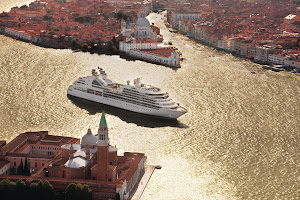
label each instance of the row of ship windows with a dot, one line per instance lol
(139, 98)
(124, 97)
(126, 92)
(117, 101)
(135, 93)
(118, 98)
(130, 101)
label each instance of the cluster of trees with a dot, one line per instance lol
(83, 19)
(22, 169)
(97, 45)
(123, 15)
(296, 1)
(10, 190)
(47, 17)
(60, 1)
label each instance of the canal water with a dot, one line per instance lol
(239, 139)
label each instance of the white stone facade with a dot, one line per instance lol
(5, 169)
(186, 15)
(133, 44)
(173, 60)
(18, 34)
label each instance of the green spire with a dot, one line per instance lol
(103, 121)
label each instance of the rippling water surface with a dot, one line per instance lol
(239, 140)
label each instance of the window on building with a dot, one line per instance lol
(35, 164)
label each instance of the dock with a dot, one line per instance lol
(149, 169)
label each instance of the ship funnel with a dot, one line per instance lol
(94, 72)
(138, 82)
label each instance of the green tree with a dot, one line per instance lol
(87, 192)
(26, 168)
(85, 46)
(78, 192)
(115, 42)
(41, 190)
(7, 189)
(48, 17)
(24, 7)
(83, 19)
(296, 1)
(110, 46)
(67, 28)
(71, 191)
(118, 196)
(125, 16)
(20, 170)
(21, 190)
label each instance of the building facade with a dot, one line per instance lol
(142, 44)
(64, 160)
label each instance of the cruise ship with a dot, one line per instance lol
(139, 98)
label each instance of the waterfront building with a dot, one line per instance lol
(240, 45)
(288, 59)
(260, 53)
(64, 160)
(18, 34)
(177, 15)
(4, 167)
(143, 44)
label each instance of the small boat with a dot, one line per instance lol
(158, 167)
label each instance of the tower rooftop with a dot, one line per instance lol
(103, 120)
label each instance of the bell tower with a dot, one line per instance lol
(102, 150)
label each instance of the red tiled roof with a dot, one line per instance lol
(163, 52)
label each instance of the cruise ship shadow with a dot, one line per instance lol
(127, 116)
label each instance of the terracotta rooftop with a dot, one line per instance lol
(162, 52)
(3, 163)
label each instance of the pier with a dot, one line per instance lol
(149, 169)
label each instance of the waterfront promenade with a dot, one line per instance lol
(149, 169)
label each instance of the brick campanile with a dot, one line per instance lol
(102, 150)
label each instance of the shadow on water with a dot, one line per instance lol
(130, 58)
(127, 116)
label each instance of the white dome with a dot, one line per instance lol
(89, 139)
(142, 22)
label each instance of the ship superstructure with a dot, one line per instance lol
(139, 97)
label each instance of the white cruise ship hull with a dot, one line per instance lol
(161, 112)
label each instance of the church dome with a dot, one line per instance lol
(142, 22)
(89, 139)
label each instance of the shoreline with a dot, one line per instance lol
(144, 180)
(65, 46)
(234, 54)
(91, 50)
